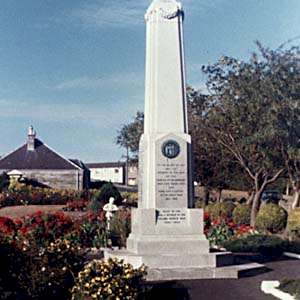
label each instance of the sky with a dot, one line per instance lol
(74, 69)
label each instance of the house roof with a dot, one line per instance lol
(42, 158)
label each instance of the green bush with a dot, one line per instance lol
(120, 227)
(293, 223)
(291, 286)
(264, 244)
(272, 218)
(241, 214)
(29, 271)
(223, 209)
(4, 182)
(219, 233)
(112, 279)
(109, 190)
(293, 247)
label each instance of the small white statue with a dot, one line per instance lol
(110, 208)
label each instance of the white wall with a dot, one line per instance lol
(113, 174)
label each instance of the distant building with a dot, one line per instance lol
(114, 172)
(37, 161)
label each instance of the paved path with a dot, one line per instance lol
(247, 288)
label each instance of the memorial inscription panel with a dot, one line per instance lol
(171, 180)
(171, 216)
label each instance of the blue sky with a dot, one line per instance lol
(74, 69)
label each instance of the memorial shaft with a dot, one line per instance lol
(165, 160)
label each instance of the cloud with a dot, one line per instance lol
(125, 13)
(103, 13)
(121, 79)
(96, 113)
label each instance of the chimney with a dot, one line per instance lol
(31, 139)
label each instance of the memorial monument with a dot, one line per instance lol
(167, 232)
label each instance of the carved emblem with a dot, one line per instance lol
(166, 12)
(170, 149)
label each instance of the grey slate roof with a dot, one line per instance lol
(42, 158)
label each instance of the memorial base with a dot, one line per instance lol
(174, 247)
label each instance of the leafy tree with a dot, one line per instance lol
(247, 115)
(129, 135)
(213, 168)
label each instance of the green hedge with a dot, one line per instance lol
(293, 223)
(242, 214)
(264, 244)
(272, 218)
(223, 209)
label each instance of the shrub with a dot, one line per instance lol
(241, 214)
(293, 246)
(47, 272)
(293, 223)
(272, 218)
(223, 209)
(112, 279)
(291, 286)
(77, 205)
(120, 227)
(109, 190)
(265, 244)
(45, 227)
(90, 231)
(131, 198)
(4, 182)
(219, 233)
(29, 271)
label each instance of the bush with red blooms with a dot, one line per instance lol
(45, 227)
(27, 195)
(76, 205)
(221, 229)
(90, 231)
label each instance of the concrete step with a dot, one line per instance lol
(232, 272)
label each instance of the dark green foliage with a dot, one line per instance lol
(129, 135)
(219, 233)
(291, 286)
(4, 182)
(33, 272)
(272, 218)
(293, 247)
(241, 214)
(223, 209)
(293, 224)
(264, 244)
(109, 190)
(120, 227)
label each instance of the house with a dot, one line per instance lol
(36, 161)
(110, 171)
(114, 172)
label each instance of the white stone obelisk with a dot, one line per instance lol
(166, 232)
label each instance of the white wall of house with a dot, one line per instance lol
(113, 174)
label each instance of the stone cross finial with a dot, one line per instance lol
(110, 208)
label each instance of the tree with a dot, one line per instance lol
(285, 64)
(129, 135)
(247, 113)
(213, 168)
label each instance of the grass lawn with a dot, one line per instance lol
(24, 210)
